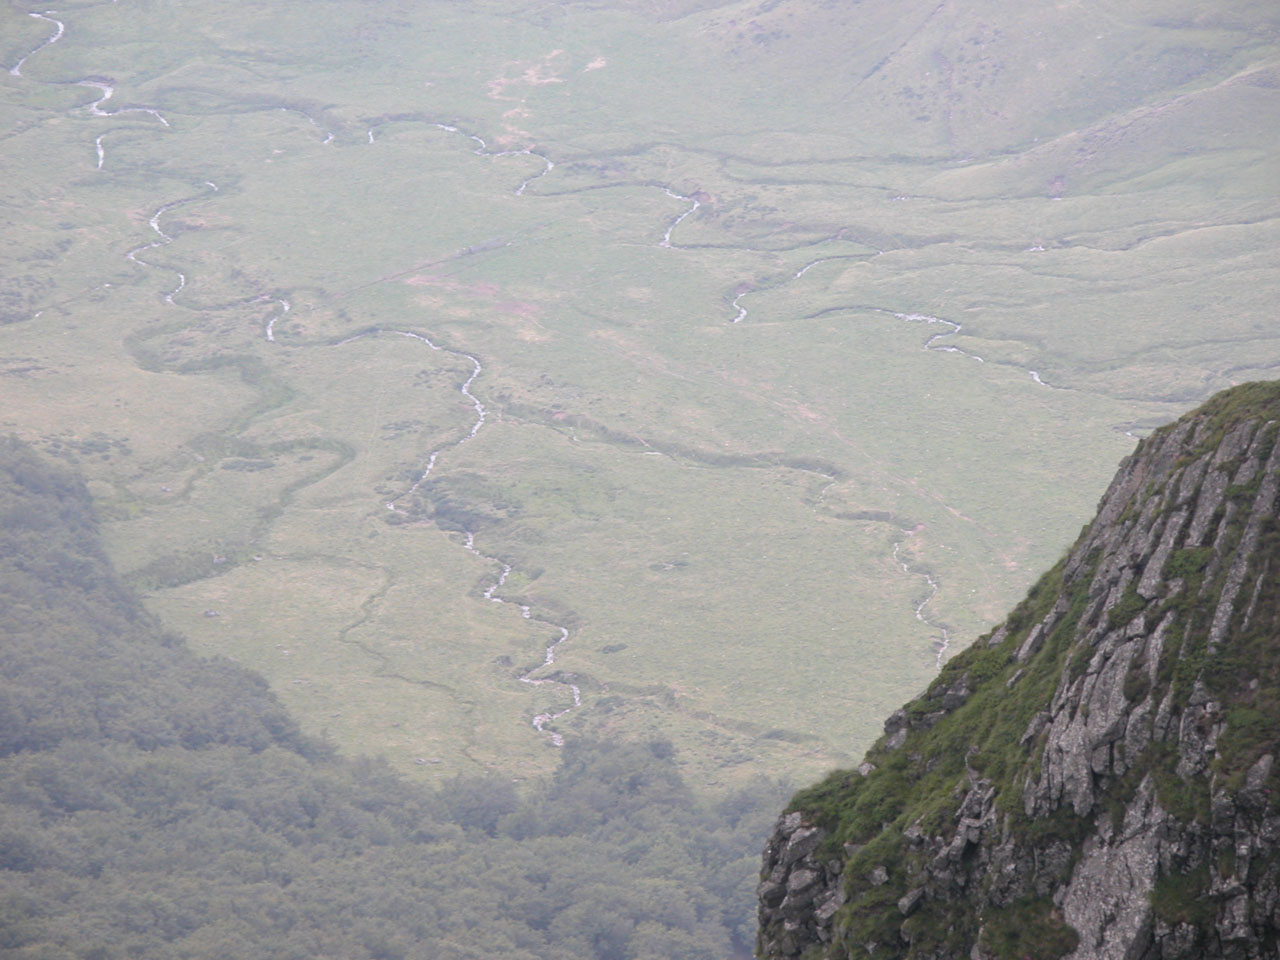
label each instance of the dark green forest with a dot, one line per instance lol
(157, 804)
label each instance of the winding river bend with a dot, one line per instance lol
(936, 341)
(529, 677)
(540, 721)
(108, 91)
(942, 642)
(134, 255)
(694, 204)
(59, 29)
(549, 654)
(482, 150)
(164, 239)
(284, 306)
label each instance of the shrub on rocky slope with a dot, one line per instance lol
(1096, 778)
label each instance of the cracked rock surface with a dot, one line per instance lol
(1096, 779)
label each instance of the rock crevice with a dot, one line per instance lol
(1096, 778)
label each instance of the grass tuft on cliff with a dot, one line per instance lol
(1214, 675)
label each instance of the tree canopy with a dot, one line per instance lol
(154, 804)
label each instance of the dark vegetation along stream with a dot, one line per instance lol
(530, 677)
(165, 239)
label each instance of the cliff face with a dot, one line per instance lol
(1097, 777)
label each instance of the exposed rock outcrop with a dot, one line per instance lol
(1096, 778)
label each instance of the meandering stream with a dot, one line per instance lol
(165, 239)
(942, 642)
(108, 91)
(59, 29)
(482, 150)
(694, 204)
(549, 654)
(134, 255)
(942, 340)
(540, 721)
(270, 329)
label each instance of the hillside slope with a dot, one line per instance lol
(155, 805)
(1095, 778)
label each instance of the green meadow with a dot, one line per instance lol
(807, 336)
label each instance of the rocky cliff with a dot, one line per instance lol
(1097, 777)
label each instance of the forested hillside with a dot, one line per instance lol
(155, 804)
